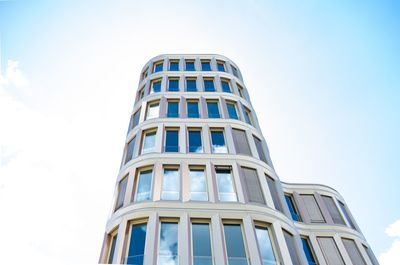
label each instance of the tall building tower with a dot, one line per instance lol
(197, 185)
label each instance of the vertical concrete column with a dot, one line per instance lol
(130, 187)
(182, 139)
(181, 63)
(280, 240)
(324, 209)
(183, 239)
(182, 108)
(234, 87)
(251, 240)
(146, 86)
(241, 111)
(205, 134)
(159, 138)
(185, 181)
(119, 249)
(158, 174)
(181, 83)
(252, 144)
(164, 83)
(138, 142)
(229, 140)
(217, 240)
(217, 83)
(150, 250)
(197, 64)
(203, 108)
(211, 182)
(317, 250)
(305, 217)
(236, 174)
(213, 64)
(200, 82)
(163, 107)
(224, 110)
(281, 197)
(165, 64)
(142, 115)
(342, 249)
(362, 252)
(104, 249)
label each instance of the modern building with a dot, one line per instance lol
(197, 186)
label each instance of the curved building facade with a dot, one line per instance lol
(197, 186)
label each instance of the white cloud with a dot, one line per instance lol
(13, 75)
(392, 255)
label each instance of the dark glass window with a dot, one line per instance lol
(346, 214)
(241, 92)
(225, 86)
(253, 186)
(308, 252)
(232, 111)
(218, 142)
(201, 241)
(265, 246)
(195, 145)
(247, 116)
(191, 85)
(205, 66)
(189, 66)
(129, 150)
(174, 65)
(158, 67)
(292, 208)
(156, 86)
(234, 71)
(173, 85)
(112, 249)
(212, 108)
(234, 244)
(172, 141)
(121, 193)
(193, 109)
(260, 149)
(209, 85)
(173, 109)
(291, 247)
(241, 144)
(168, 249)
(274, 193)
(221, 66)
(136, 245)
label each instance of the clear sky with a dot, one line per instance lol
(323, 77)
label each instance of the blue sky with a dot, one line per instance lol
(323, 77)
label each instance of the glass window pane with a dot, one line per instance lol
(149, 142)
(195, 145)
(221, 67)
(232, 111)
(265, 246)
(333, 210)
(247, 116)
(346, 214)
(253, 186)
(156, 86)
(173, 85)
(143, 192)
(168, 250)
(308, 252)
(174, 66)
(191, 85)
(173, 109)
(136, 245)
(158, 67)
(234, 244)
(218, 142)
(172, 141)
(121, 192)
(291, 247)
(189, 66)
(209, 85)
(112, 249)
(226, 190)
(274, 194)
(198, 186)
(241, 144)
(153, 111)
(260, 149)
(201, 244)
(213, 111)
(234, 71)
(129, 150)
(292, 208)
(205, 66)
(225, 86)
(171, 187)
(193, 109)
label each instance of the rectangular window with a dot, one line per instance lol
(153, 110)
(346, 214)
(168, 248)
(189, 65)
(195, 143)
(225, 86)
(247, 116)
(253, 186)
(260, 149)
(137, 244)
(330, 250)
(212, 109)
(241, 143)
(241, 91)
(312, 208)
(198, 185)
(191, 85)
(333, 210)
(209, 85)
(201, 244)
(289, 239)
(129, 150)
(121, 192)
(234, 243)
(234, 71)
(218, 142)
(174, 65)
(158, 67)
(155, 86)
(221, 66)
(136, 117)
(112, 249)
(145, 73)
(274, 193)
(205, 65)
(308, 251)
(172, 140)
(292, 207)
(353, 251)
(149, 142)
(173, 84)
(171, 186)
(141, 93)
(173, 109)
(193, 109)
(265, 246)
(232, 110)
(226, 189)
(144, 185)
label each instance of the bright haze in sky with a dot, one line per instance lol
(323, 78)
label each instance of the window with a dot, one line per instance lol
(158, 67)
(234, 243)
(274, 193)
(221, 66)
(189, 65)
(195, 145)
(121, 192)
(292, 207)
(291, 247)
(346, 214)
(308, 251)
(312, 208)
(209, 85)
(225, 86)
(173, 84)
(174, 65)
(226, 190)
(218, 142)
(371, 255)
(247, 116)
(137, 244)
(153, 110)
(353, 251)
(155, 86)
(191, 85)
(141, 93)
(149, 142)
(193, 109)
(234, 71)
(265, 246)
(129, 150)
(241, 91)
(232, 110)
(144, 185)
(198, 185)
(201, 244)
(241, 143)
(253, 186)
(171, 186)
(173, 109)
(172, 140)
(260, 149)
(333, 210)
(112, 248)
(330, 250)
(212, 109)
(168, 248)
(136, 117)
(205, 65)
(145, 73)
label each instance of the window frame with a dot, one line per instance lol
(172, 220)
(144, 134)
(151, 104)
(201, 221)
(191, 101)
(174, 79)
(228, 82)
(178, 171)
(294, 204)
(212, 130)
(137, 180)
(113, 234)
(221, 63)
(131, 223)
(225, 167)
(215, 115)
(208, 79)
(204, 62)
(172, 129)
(174, 101)
(244, 237)
(190, 61)
(152, 83)
(198, 168)
(272, 238)
(195, 129)
(156, 64)
(171, 62)
(195, 83)
(234, 105)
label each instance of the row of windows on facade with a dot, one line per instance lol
(194, 142)
(191, 84)
(190, 65)
(193, 108)
(227, 191)
(236, 249)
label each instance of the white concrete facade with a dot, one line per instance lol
(327, 217)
